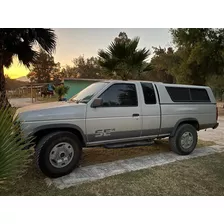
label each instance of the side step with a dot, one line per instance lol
(128, 144)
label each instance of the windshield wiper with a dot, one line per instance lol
(82, 101)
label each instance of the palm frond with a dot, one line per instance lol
(117, 50)
(132, 45)
(13, 159)
(147, 68)
(25, 53)
(20, 42)
(109, 64)
(46, 38)
(103, 55)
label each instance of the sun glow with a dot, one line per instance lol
(16, 70)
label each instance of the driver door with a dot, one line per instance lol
(118, 119)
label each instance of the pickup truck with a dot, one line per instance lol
(117, 114)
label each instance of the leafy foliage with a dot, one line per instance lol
(88, 68)
(61, 90)
(217, 84)
(68, 72)
(84, 68)
(123, 59)
(13, 159)
(20, 42)
(162, 63)
(44, 69)
(200, 53)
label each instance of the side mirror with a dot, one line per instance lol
(97, 102)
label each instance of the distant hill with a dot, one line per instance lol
(23, 79)
(12, 84)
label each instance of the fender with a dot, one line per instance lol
(184, 120)
(59, 126)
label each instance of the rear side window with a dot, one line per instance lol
(179, 94)
(199, 95)
(149, 93)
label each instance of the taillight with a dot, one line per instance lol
(217, 113)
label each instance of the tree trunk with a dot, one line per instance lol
(3, 98)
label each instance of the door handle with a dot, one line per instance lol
(135, 115)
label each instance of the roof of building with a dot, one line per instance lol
(78, 79)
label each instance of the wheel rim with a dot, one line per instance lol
(61, 155)
(186, 140)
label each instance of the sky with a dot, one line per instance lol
(72, 43)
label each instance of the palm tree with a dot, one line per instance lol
(123, 59)
(20, 43)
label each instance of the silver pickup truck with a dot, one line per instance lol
(117, 114)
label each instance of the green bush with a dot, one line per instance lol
(13, 159)
(61, 91)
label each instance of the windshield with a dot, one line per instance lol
(86, 94)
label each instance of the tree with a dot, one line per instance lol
(68, 72)
(20, 42)
(84, 68)
(201, 54)
(217, 84)
(88, 68)
(123, 58)
(44, 69)
(162, 63)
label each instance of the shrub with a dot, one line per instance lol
(13, 159)
(61, 91)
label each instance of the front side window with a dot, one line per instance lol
(120, 95)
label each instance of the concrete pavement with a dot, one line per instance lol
(215, 135)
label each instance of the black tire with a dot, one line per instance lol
(47, 143)
(175, 141)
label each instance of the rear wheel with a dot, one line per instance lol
(185, 140)
(58, 153)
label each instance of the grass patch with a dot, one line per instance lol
(199, 176)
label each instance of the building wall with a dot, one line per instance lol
(75, 86)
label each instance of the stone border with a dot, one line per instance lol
(99, 171)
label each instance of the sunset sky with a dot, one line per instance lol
(72, 43)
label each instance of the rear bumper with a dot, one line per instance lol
(216, 125)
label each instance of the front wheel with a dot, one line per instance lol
(58, 153)
(185, 140)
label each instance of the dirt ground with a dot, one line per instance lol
(221, 111)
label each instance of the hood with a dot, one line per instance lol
(52, 111)
(41, 106)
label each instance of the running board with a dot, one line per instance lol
(128, 144)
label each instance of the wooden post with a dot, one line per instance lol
(31, 92)
(36, 92)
